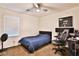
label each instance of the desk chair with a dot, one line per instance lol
(60, 41)
(3, 38)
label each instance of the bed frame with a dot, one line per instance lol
(43, 32)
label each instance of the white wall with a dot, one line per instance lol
(50, 22)
(29, 25)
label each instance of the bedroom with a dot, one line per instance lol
(30, 22)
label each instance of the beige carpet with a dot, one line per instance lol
(20, 51)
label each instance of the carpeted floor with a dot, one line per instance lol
(21, 51)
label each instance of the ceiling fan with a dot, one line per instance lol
(38, 7)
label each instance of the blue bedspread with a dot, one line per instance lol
(33, 43)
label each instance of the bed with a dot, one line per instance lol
(33, 43)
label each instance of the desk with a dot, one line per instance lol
(72, 43)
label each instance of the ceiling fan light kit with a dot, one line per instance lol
(37, 10)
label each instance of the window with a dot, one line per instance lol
(11, 25)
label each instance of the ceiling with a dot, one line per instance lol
(51, 7)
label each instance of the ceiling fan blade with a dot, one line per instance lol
(48, 7)
(29, 9)
(37, 5)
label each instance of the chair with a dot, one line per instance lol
(3, 38)
(60, 41)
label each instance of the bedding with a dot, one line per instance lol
(34, 42)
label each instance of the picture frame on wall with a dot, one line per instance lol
(66, 21)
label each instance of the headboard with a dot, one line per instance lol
(47, 32)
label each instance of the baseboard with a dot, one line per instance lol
(10, 47)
